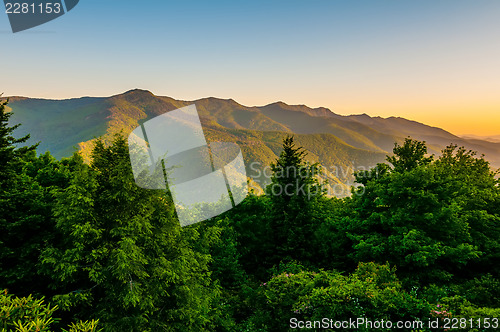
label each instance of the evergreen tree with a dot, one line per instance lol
(251, 221)
(25, 209)
(10, 154)
(125, 259)
(293, 190)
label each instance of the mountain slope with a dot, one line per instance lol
(338, 142)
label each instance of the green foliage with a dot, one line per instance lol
(469, 182)
(27, 224)
(429, 219)
(250, 220)
(293, 177)
(27, 183)
(10, 155)
(24, 314)
(409, 155)
(87, 326)
(28, 314)
(371, 291)
(460, 309)
(294, 188)
(330, 242)
(123, 245)
(225, 264)
(483, 291)
(290, 267)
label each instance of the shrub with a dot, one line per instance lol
(27, 314)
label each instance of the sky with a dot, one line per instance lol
(433, 61)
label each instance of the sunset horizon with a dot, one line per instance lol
(433, 62)
(461, 124)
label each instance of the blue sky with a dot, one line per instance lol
(433, 61)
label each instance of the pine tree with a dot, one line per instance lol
(25, 210)
(10, 154)
(125, 259)
(293, 190)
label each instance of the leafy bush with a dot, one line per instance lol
(460, 308)
(27, 314)
(372, 291)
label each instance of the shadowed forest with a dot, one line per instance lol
(82, 248)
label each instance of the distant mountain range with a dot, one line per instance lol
(339, 143)
(494, 138)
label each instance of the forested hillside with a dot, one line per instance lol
(338, 142)
(82, 248)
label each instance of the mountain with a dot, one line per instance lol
(340, 143)
(492, 138)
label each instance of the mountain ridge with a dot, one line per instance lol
(64, 126)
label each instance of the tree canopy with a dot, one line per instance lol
(83, 248)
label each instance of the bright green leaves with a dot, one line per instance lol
(124, 246)
(371, 291)
(27, 187)
(28, 314)
(425, 214)
(409, 155)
